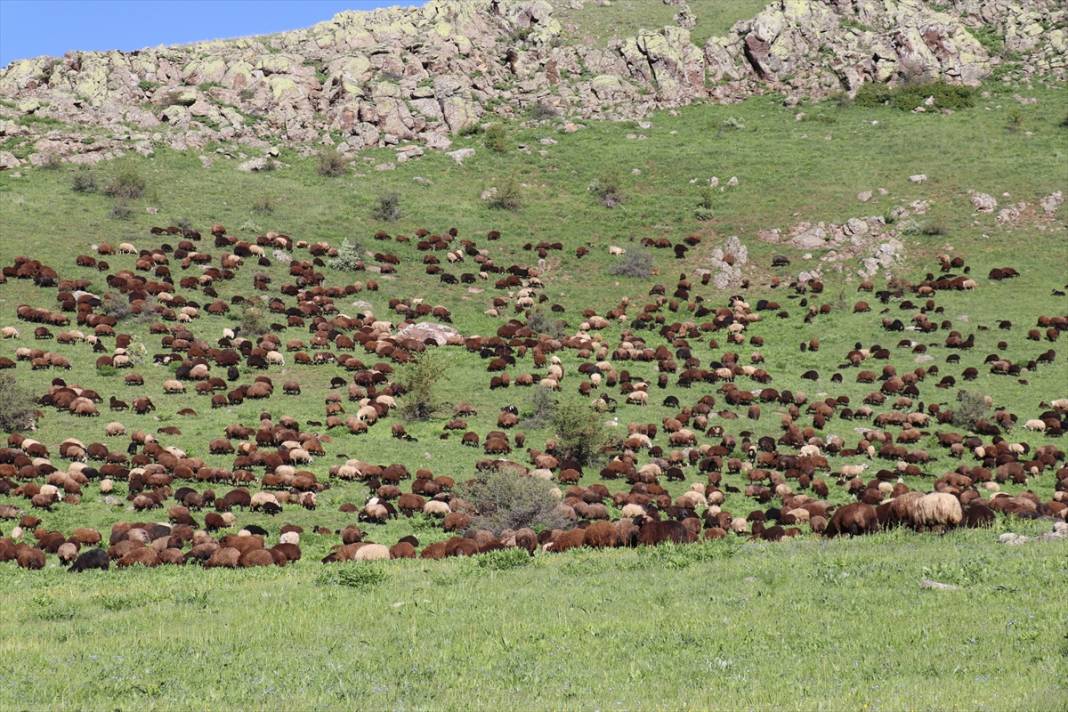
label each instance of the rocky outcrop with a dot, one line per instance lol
(423, 74)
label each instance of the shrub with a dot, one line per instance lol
(361, 576)
(1015, 121)
(704, 204)
(506, 196)
(607, 190)
(972, 407)
(16, 406)
(504, 559)
(83, 182)
(507, 500)
(120, 210)
(115, 305)
(348, 257)
(580, 433)
(633, 264)
(387, 207)
(542, 323)
(495, 138)
(542, 409)
(52, 162)
(252, 320)
(420, 380)
(1064, 123)
(331, 164)
(911, 95)
(126, 184)
(934, 230)
(263, 205)
(542, 112)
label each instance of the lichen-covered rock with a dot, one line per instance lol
(423, 73)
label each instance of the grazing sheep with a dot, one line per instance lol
(937, 510)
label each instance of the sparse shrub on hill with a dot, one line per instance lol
(330, 163)
(348, 257)
(263, 205)
(252, 321)
(507, 500)
(505, 196)
(608, 190)
(120, 211)
(126, 184)
(17, 411)
(83, 182)
(542, 112)
(115, 305)
(704, 204)
(971, 409)
(420, 379)
(580, 433)
(542, 322)
(634, 264)
(912, 95)
(542, 409)
(387, 207)
(495, 138)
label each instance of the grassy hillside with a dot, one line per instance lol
(804, 624)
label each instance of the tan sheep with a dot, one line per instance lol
(372, 552)
(935, 511)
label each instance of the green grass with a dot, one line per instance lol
(596, 25)
(801, 625)
(824, 625)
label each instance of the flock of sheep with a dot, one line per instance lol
(769, 483)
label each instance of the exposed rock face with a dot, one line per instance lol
(402, 74)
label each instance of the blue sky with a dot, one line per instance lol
(29, 28)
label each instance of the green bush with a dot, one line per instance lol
(495, 138)
(330, 163)
(704, 204)
(83, 182)
(506, 196)
(506, 500)
(361, 576)
(580, 433)
(608, 190)
(126, 184)
(971, 409)
(420, 379)
(387, 207)
(910, 95)
(504, 559)
(541, 322)
(542, 409)
(17, 410)
(115, 305)
(252, 320)
(348, 257)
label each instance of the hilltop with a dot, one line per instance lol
(399, 75)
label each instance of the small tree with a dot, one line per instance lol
(17, 410)
(348, 257)
(420, 382)
(704, 204)
(496, 139)
(506, 196)
(541, 322)
(387, 208)
(580, 434)
(115, 305)
(253, 321)
(508, 500)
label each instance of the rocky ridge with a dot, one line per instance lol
(400, 75)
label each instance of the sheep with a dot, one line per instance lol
(372, 552)
(1036, 425)
(936, 510)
